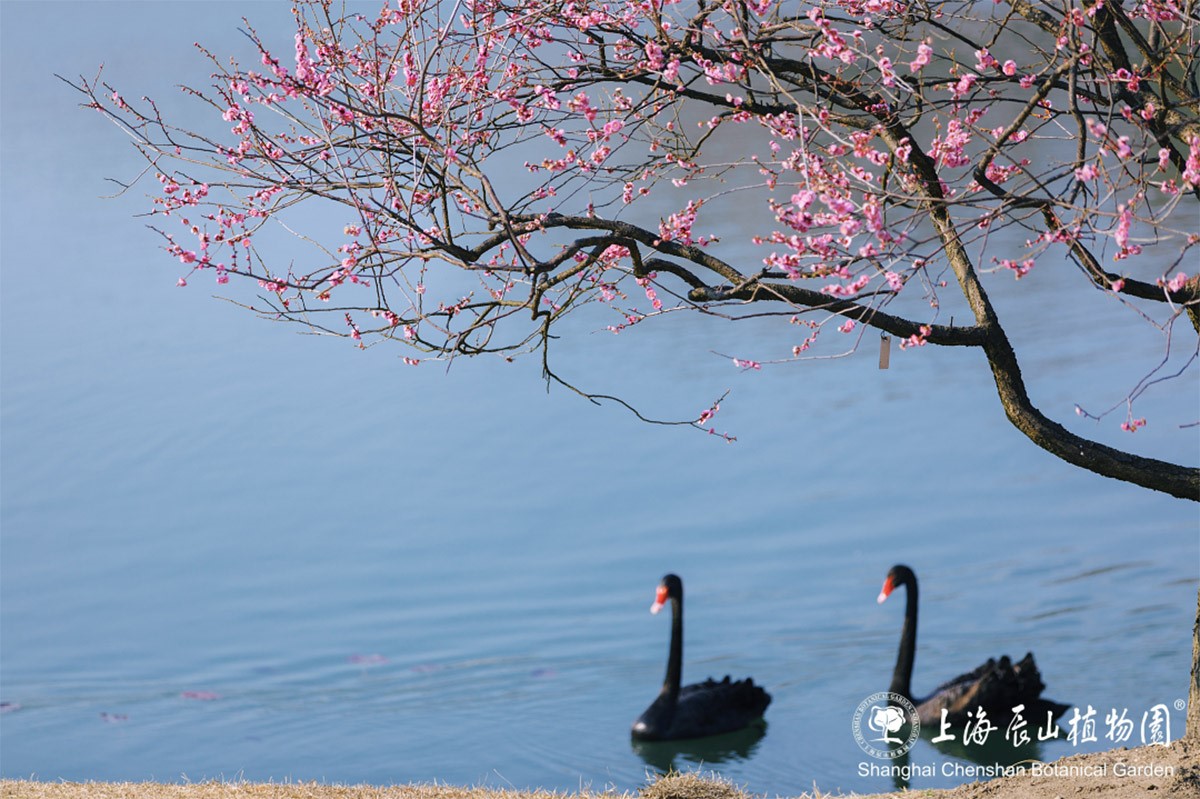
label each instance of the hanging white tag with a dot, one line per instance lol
(885, 350)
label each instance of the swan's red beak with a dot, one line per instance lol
(885, 592)
(660, 599)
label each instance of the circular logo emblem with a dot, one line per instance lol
(879, 721)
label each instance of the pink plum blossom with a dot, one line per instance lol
(924, 53)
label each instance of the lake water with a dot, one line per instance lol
(229, 551)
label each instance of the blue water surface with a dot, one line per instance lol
(232, 551)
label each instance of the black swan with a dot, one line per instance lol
(997, 686)
(702, 709)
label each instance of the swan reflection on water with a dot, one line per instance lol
(681, 755)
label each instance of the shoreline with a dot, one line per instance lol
(1171, 772)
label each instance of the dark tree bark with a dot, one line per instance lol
(1193, 709)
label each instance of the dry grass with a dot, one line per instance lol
(1182, 759)
(697, 785)
(11, 789)
(671, 786)
(692, 786)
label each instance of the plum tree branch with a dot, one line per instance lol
(495, 172)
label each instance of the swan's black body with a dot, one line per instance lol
(702, 709)
(998, 686)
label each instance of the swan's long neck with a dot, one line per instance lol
(675, 658)
(902, 676)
